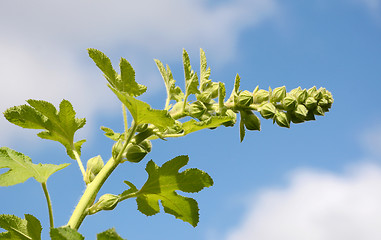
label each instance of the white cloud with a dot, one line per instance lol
(42, 42)
(317, 206)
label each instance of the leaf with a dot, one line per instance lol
(212, 122)
(110, 234)
(128, 83)
(59, 125)
(241, 129)
(237, 83)
(104, 64)
(221, 97)
(65, 233)
(22, 168)
(143, 113)
(20, 229)
(204, 71)
(191, 80)
(162, 184)
(110, 133)
(173, 91)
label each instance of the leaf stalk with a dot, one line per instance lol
(48, 201)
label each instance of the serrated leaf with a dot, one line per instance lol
(212, 122)
(128, 83)
(162, 184)
(65, 233)
(237, 83)
(221, 97)
(110, 133)
(104, 64)
(59, 125)
(110, 234)
(173, 91)
(191, 79)
(143, 113)
(204, 71)
(20, 229)
(22, 168)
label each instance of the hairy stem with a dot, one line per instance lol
(93, 188)
(78, 158)
(50, 209)
(125, 118)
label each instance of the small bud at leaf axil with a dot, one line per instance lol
(94, 166)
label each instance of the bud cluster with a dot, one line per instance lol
(297, 106)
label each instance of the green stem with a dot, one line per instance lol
(78, 158)
(125, 118)
(50, 209)
(93, 188)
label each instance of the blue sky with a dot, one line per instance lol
(316, 180)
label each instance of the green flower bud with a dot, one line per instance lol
(310, 103)
(260, 96)
(282, 119)
(245, 98)
(268, 110)
(146, 145)
(233, 116)
(310, 116)
(301, 96)
(294, 118)
(135, 153)
(312, 91)
(116, 148)
(197, 109)
(278, 94)
(105, 202)
(94, 166)
(319, 111)
(301, 112)
(250, 120)
(289, 103)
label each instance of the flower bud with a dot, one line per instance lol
(105, 202)
(260, 96)
(250, 120)
(310, 103)
(94, 166)
(282, 119)
(116, 148)
(319, 111)
(301, 96)
(289, 103)
(301, 112)
(232, 116)
(312, 91)
(146, 145)
(135, 153)
(268, 110)
(245, 98)
(197, 109)
(278, 94)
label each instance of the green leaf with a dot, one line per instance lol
(110, 234)
(212, 122)
(191, 80)
(22, 168)
(173, 92)
(20, 229)
(162, 184)
(104, 64)
(204, 71)
(128, 83)
(59, 125)
(241, 129)
(143, 113)
(110, 133)
(65, 233)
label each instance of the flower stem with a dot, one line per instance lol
(50, 209)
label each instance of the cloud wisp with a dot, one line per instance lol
(317, 206)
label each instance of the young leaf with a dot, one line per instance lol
(110, 133)
(110, 234)
(22, 168)
(128, 83)
(173, 92)
(65, 233)
(60, 125)
(104, 64)
(212, 122)
(20, 229)
(191, 80)
(204, 72)
(162, 184)
(143, 113)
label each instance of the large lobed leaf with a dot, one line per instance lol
(65, 233)
(22, 168)
(59, 125)
(20, 229)
(162, 184)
